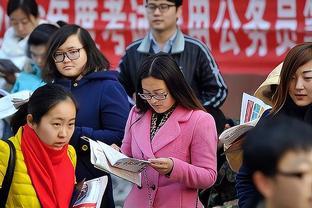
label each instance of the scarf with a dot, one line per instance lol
(51, 171)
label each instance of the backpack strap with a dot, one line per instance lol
(7, 180)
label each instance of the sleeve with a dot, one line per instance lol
(114, 113)
(201, 173)
(125, 75)
(126, 142)
(212, 88)
(246, 190)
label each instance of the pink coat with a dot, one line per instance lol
(188, 137)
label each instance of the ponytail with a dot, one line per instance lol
(19, 118)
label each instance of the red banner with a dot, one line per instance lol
(245, 36)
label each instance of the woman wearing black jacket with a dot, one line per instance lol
(293, 97)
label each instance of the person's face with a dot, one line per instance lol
(57, 126)
(300, 88)
(153, 86)
(75, 59)
(161, 21)
(38, 53)
(292, 185)
(22, 24)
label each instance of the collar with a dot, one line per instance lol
(178, 43)
(167, 46)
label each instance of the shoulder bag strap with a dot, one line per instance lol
(7, 180)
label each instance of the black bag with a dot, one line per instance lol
(7, 180)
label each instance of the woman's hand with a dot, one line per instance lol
(162, 165)
(116, 147)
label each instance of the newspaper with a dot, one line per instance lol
(7, 105)
(111, 161)
(251, 110)
(119, 160)
(90, 194)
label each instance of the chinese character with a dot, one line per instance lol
(256, 28)
(221, 15)
(137, 18)
(55, 12)
(228, 40)
(86, 13)
(114, 16)
(198, 14)
(286, 25)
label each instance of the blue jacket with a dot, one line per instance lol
(28, 80)
(102, 114)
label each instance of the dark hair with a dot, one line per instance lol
(41, 34)
(162, 66)
(40, 102)
(176, 2)
(296, 57)
(219, 118)
(272, 137)
(96, 61)
(29, 7)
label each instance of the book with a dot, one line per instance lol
(89, 193)
(106, 158)
(8, 67)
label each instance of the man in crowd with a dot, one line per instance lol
(279, 153)
(193, 57)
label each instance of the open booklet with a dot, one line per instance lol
(106, 158)
(251, 110)
(89, 193)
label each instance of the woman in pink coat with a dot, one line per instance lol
(170, 128)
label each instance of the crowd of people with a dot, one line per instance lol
(162, 104)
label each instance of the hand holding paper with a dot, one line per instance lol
(162, 165)
(106, 158)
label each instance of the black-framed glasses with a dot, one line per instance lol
(147, 96)
(162, 7)
(72, 54)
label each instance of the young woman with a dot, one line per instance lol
(170, 128)
(31, 77)
(293, 97)
(44, 174)
(24, 17)
(75, 62)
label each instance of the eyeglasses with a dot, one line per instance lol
(72, 54)
(162, 7)
(147, 96)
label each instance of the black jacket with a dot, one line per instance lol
(193, 57)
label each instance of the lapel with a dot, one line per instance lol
(166, 134)
(171, 129)
(142, 135)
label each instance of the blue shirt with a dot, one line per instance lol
(168, 45)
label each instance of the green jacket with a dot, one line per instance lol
(22, 192)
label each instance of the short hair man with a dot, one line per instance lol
(279, 153)
(194, 58)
